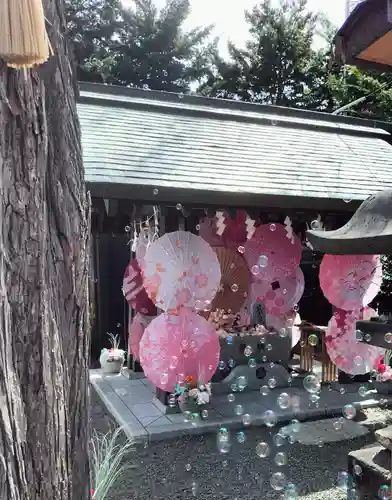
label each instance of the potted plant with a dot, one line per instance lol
(112, 360)
(194, 397)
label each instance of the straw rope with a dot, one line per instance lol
(23, 38)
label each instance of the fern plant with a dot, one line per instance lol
(108, 462)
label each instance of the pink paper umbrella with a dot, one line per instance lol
(288, 321)
(175, 347)
(134, 291)
(344, 349)
(136, 330)
(350, 282)
(207, 230)
(234, 234)
(272, 252)
(181, 270)
(281, 295)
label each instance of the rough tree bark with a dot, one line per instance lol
(44, 330)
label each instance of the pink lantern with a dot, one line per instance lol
(272, 252)
(136, 330)
(134, 291)
(344, 349)
(176, 347)
(181, 270)
(281, 295)
(350, 282)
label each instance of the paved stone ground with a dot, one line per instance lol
(190, 466)
(135, 407)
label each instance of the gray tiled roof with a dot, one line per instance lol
(159, 140)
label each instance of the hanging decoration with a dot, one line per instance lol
(136, 329)
(279, 296)
(181, 270)
(270, 254)
(24, 42)
(344, 348)
(235, 279)
(220, 223)
(174, 348)
(289, 229)
(350, 282)
(134, 291)
(250, 227)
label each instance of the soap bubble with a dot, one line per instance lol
(238, 410)
(223, 440)
(349, 411)
(188, 467)
(268, 347)
(278, 481)
(343, 480)
(388, 338)
(252, 363)
(368, 337)
(279, 440)
(283, 332)
(204, 414)
(295, 425)
(241, 438)
(290, 492)
(337, 424)
(357, 470)
(273, 227)
(221, 365)
(234, 387)
(359, 335)
(194, 488)
(362, 391)
(358, 361)
(248, 351)
(231, 363)
(241, 249)
(242, 382)
(234, 287)
(264, 390)
(272, 383)
(262, 450)
(314, 398)
(164, 378)
(187, 416)
(313, 340)
(283, 400)
(246, 419)
(280, 459)
(155, 191)
(255, 270)
(315, 224)
(231, 398)
(342, 390)
(312, 384)
(269, 418)
(178, 206)
(197, 227)
(383, 492)
(262, 261)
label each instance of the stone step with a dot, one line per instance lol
(384, 437)
(370, 466)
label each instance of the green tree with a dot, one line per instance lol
(140, 46)
(274, 66)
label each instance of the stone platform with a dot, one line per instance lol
(133, 404)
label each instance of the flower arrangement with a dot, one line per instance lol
(115, 353)
(199, 394)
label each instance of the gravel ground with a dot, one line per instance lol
(190, 467)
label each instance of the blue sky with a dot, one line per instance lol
(230, 22)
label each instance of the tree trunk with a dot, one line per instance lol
(44, 258)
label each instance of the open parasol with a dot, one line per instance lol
(181, 270)
(235, 279)
(176, 347)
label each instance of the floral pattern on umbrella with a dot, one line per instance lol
(176, 347)
(350, 282)
(271, 254)
(346, 351)
(181, 270)
(281, 295)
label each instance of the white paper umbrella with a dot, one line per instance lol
(181, 269)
